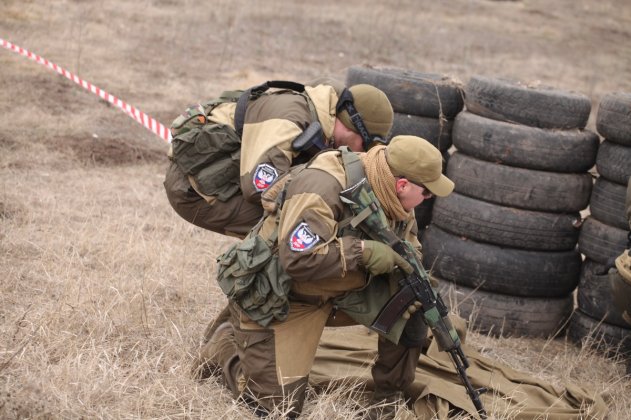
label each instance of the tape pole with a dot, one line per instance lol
(140, 117)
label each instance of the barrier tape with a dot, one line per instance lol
(140, 117)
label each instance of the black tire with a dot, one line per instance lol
(595, 294)
(614, 162)
(435, 130)
(523, 146)
(492, 268)
(535, 106)
(518, 187)
(614, 118)
(609, 339)
(410, 92)
(607, 203)
(601, 242)
(505, 315)
(508, 226)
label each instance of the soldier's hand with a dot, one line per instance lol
(410, 310)
(379, 258)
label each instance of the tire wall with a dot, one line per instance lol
(511, 235)
(508, 235)
(605, 233)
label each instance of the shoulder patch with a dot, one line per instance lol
(263, 177)
(302, 238)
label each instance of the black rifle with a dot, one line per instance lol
(371, 219)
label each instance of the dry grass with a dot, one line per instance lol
(105, 292)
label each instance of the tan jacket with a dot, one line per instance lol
(272, 122)
(320, 261)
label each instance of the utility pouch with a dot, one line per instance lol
(250, 275)
(208, 152)
(201, 146)
(221, 178)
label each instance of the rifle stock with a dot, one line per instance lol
(371, 219)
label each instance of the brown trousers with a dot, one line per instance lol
(234, 217)
(271, 365)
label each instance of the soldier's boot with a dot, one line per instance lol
(384, 405)
(216, 353)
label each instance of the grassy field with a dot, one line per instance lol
(105, 291)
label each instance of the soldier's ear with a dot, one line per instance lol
(400, 185)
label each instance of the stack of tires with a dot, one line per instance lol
(604, 233)
(503, 244)
(424, 105)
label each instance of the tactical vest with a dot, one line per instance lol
(210, 152)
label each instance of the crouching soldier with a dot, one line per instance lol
(226, 152)
(305, 267)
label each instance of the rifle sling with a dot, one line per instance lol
(355, 221)
(354, 169)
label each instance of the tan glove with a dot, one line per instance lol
(379, 258)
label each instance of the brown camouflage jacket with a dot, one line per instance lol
(271, 123)
(320, 259)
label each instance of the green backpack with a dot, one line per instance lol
(207, 151)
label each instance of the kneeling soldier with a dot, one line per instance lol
(333, 275)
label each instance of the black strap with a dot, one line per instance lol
(254, 93)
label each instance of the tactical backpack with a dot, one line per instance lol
(210, 152)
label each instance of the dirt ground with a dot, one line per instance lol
(104, 290)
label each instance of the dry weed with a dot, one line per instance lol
(106, 293)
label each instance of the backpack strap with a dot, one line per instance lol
(353, 166)
(355, 173)
(255, 92)
(226, 96)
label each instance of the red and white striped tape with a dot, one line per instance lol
(145, 120)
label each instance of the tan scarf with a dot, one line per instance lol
(383, 183)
